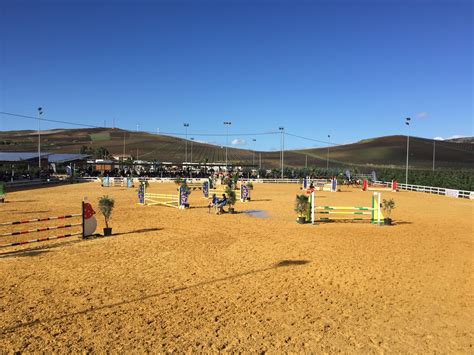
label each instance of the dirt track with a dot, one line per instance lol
(193, 281)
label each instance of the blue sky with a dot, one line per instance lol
(350, 69)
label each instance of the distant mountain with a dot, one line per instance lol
(387, 151)
(461, 140)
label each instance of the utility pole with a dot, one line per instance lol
(40, 112)
(186, 125)
(227, 124)
(327, 159)
(407, 122)
(282, 130)
(123, 152)
(306, 161)
(192, 139)
(253, 152)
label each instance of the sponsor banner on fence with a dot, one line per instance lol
(452, 193)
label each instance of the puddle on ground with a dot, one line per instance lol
(256, 213)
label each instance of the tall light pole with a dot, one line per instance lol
(434, 153)
(282, 130)
(192, 139)
(226, 124)
(407, 122)
(123, 151)
(40, 112)
(186, 125)
(327, 159)
(306, 161)
(253, 152)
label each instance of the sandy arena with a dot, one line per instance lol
(192, 281)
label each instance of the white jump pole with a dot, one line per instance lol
(312, 207)
(378, 208)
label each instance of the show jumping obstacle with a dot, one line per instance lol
(320, 185)
(117, 181)
(244, 193)
(372, 214)
(2, 192)
(204, 187)
(374, 187)
(150, 199)
(88, 225)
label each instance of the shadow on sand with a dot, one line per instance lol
(41, 249)
(281, 264)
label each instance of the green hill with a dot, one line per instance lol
(387, 151)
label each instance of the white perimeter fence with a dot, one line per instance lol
(407, 187)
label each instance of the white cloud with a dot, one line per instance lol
(238, 142)
(452, 137)
(422, 115)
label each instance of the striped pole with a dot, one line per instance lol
(83, 220)
(40, 229)
(41, 239)
(373, 205)
(378, 208)
(40, 219)
(36, 230)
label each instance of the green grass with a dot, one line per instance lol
(100, 137)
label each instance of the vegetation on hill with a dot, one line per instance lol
(383, 152)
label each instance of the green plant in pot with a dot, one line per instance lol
(231, 198)
(388, 206)
(106, 205)
(235, 180)
(301, 207)
(250, 185)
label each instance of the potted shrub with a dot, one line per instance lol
(106, 205)
(235, 180)
(250, 185)
(231, 198)
(388, 206)
(227, 181)
(301, 207)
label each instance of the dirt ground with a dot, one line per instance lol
(192, 281)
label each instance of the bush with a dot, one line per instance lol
(301, 205)
(106, 205)
(231, 196)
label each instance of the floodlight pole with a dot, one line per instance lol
(40, 112)
(186, 125)
(226, 124)
(253, 152)
(282, 130)
(407, 122)
(327, 158)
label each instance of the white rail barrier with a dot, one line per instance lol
(432, 190)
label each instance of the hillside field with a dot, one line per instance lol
(383, 152)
